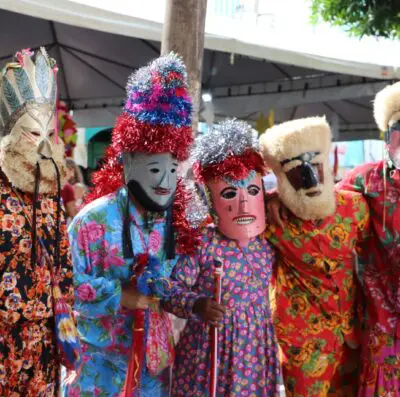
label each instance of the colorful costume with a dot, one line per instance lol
(379, 183)
(230, 168)
(315, 283)
(30, 158)
(125, 239)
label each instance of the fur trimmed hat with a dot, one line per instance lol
(292, 138)
(386, 105)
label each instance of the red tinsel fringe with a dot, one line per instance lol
(110, 178)
(131, 135)
(234, 167)
(188, 238)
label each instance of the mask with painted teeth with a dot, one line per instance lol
(239, 207)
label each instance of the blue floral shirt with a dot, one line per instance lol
(100, 270)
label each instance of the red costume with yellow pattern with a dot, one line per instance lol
(315, 283)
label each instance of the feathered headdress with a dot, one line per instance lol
(29, 79)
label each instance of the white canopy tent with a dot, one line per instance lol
(123, 17)
(99, 43)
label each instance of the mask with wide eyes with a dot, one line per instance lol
(231, 192)
(239, 207)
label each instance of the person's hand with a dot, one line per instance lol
(209, 310)
(132, 299)
(277, 213)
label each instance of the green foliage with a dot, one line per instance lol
(360, 17)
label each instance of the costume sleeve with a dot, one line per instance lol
(362, 215)
(354, 181)
(184, 277)
(95, 296)
(363, 219)
(66, 282)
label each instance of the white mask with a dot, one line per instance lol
(31, 136)
(151, 178)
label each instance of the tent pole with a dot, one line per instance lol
(184, 34)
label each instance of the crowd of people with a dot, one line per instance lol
(299, 284)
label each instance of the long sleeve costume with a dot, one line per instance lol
(130, 237)
(380, 373)
(100, 270)
(248, 362)
(28, 359)
(316, 287)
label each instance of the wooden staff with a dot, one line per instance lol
(214, 331)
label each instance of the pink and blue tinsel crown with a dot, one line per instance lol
(158, 93)
(157, 114)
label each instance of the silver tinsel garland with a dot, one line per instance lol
(230, 137)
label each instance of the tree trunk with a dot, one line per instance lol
(184, 34)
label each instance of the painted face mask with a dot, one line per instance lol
(298, 153)
(28, 95)
(32, 139)
(393, 143)
(151, 179)
(239, 206)
(305, 173)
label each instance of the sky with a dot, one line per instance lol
(274, 27)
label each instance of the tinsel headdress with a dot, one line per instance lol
(156, 118)
(230, 150)
(157, 112)
(30, 79)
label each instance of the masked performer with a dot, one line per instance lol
(315, 287)
(230, 168)
(33, 236)
(123, 244)
(380, 185)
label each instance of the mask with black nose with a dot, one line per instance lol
(298, 153)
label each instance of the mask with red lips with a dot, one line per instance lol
(228, 164)
(151, 179)
(239, 206)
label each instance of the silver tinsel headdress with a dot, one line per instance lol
(230, 150)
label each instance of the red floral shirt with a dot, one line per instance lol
(381, 276)
(315, 283)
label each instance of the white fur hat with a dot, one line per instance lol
(386, 105)
(292, 138)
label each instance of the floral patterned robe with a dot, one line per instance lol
(29, 365)
(315, 292)
(99, 272)
(381, 279)
(247, 355)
